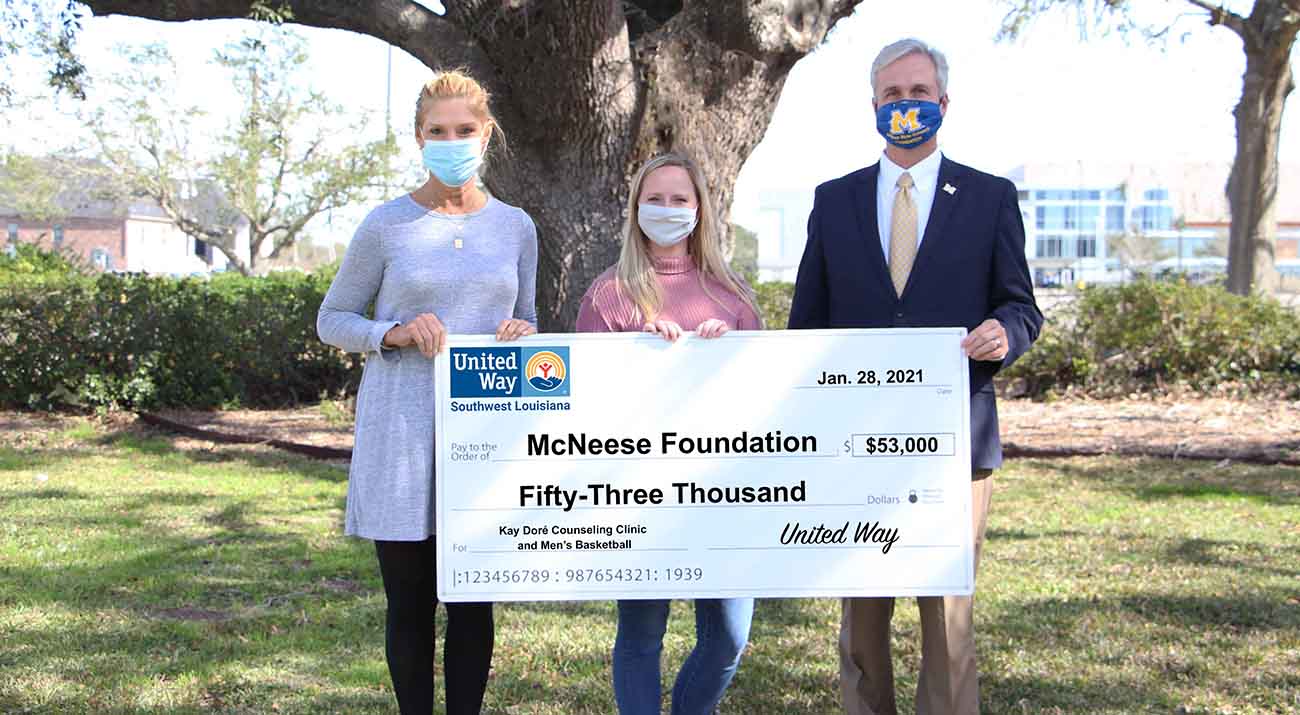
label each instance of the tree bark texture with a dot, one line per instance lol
(586, 91)
(1268, 35)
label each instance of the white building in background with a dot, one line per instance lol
(126, 238)
(155, 245)
(114, 234)
(1072, 211)
(782, 232)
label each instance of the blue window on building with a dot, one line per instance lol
(1114, 218)
(1050, 217)
(1165, 218)
(13, 233)
(58, 236)
(1088, 217)
(201, 250)
(1159, 218)
(1067, 195)
(1156, 194)
(1115, 195)
(1067, 217)
(1050, 246)
(1153, 218)
(101, 259)
(1086, 247)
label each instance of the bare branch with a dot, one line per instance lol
(278, 182)
(769, 30)
(1220, 15)
(435, 40)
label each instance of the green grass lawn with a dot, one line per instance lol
(136, 577)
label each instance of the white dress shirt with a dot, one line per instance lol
(925, 181)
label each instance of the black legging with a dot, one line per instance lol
(410, 582)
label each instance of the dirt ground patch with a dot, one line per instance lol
(304, 425)
(1176, 425)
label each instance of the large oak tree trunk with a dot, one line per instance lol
(586, 91)
(1268, 34)
(1252, 184)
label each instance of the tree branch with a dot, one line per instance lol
(278, 182)
(434, 40)
(1220, 15)
(646, 16)
(773, 30)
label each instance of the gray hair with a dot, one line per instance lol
(898, 50)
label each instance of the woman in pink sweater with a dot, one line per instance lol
(671, 278)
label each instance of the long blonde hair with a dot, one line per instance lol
(635, 271)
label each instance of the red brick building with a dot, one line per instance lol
(135, 237)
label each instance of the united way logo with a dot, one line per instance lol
(510, 372)
(546, 371)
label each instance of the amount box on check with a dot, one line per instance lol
(904, 445)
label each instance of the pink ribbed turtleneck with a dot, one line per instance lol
(605, 310)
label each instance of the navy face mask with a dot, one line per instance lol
(908, 123)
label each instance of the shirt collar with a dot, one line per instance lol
(924, 173)
(669, 265)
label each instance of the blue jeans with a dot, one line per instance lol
(721, 631)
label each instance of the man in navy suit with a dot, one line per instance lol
(918, 240)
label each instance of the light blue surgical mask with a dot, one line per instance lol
(454, 162)
(664, 225)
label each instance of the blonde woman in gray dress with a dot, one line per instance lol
(446, 258)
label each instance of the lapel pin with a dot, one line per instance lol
(949, 189)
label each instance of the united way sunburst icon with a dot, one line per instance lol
(546, 371)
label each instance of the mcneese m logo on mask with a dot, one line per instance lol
(902, 122)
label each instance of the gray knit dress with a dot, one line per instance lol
(472, 271)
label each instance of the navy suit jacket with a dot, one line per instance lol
(970, 267)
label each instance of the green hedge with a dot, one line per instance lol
(69, 338)
(1143, 337)
(773, 299)
(113, 341)
(1157, 335)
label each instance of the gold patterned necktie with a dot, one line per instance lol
(902, 234)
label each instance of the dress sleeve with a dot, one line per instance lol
(526, 302)
(341, 320)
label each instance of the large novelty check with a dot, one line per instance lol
(777, 463)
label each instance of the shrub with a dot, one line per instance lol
(1153, 335)
(773, 300)
(115, 341)
(28, 264)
